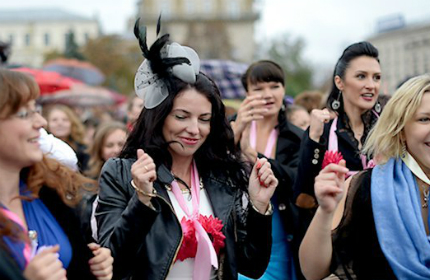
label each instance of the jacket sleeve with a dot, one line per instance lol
(122, 220)
(311, 156)
(254, 233)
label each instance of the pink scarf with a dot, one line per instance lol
(270, 142)
(206, 256)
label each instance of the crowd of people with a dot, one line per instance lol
(325, 188)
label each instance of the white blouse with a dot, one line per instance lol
(183, 270)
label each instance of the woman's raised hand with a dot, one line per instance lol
(46, 266)
(143, 172)
(262, 184)
(316, 126)
(252, 108)
(330, 185)
(101, 263)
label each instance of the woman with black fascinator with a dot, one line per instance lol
(178, 203)
(353, 102)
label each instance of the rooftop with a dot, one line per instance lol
(30, 15)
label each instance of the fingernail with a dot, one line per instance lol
(258, 165)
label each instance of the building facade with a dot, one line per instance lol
(33, 33)
(216, 29)
(404, 52)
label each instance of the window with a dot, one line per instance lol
(234, 8)
(165, 8)
(47, 39)
(207, 6)
(27, 39)
(190, 7)
(86, 37)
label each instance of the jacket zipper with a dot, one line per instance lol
(182, 234)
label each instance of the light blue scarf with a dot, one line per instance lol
(396, 204)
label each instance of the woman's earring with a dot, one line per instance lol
(283, 108)
(378, 107)
(403, 152)
(336, 103)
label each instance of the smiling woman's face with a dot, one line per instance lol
(188, 124)
(417, 134)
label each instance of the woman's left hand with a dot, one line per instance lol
(101, 263)
(262, 185)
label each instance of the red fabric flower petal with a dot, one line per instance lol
(189, 243)
(331, 157)
(213, 227)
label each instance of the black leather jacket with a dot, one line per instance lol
(145, 242)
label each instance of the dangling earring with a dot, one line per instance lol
(378, 107)
(336, 103)
(403, 152)
(283, 108)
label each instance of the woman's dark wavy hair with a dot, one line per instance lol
(353, 51)
(218, 153)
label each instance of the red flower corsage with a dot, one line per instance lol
(211, 225)
(331, 157)
(189, 243)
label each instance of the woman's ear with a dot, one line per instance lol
(339, 83)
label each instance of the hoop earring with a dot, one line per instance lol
(336, 103)
(378, 107)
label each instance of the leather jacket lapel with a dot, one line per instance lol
(221, 196)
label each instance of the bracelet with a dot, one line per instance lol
(151, 194)
(268, 212)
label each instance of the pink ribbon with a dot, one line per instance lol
(333, 146)
(206, 256)
(270, 142)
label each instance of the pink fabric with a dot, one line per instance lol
(206, 256)
(270, 142)
(27, 248)
(333, 146)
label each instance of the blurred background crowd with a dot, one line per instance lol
(89, 71)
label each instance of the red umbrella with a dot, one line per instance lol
(84, 96)
(49, 82)
(81, 70)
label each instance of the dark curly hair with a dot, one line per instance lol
(217, 154)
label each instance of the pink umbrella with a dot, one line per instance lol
(84, 96)
(49, 82)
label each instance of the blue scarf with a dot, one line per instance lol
(396, 204)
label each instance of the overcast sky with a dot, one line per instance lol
(327, 26)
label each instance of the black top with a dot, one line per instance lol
(357, 253)
(284, 167)
(312, 153)
(144, 241)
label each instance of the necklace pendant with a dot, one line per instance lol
(426, 194)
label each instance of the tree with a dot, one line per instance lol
(287, 52)
(72, 49)
(117, 58)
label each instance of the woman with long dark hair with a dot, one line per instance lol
(178, 203)
(354, 101)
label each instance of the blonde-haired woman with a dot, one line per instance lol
(108, 142)
(381, 223)
(63, 123)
